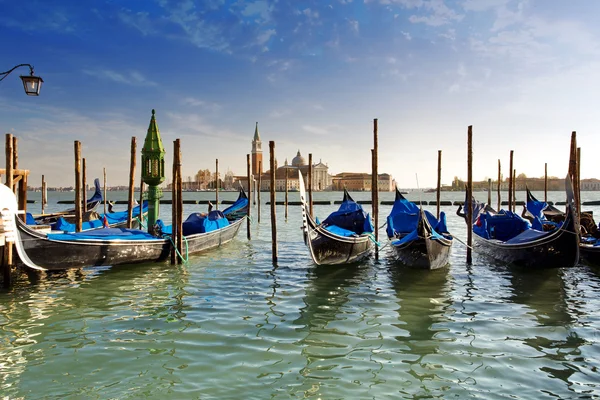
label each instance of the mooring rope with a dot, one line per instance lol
(187, 255)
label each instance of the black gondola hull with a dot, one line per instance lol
(590, 255)
(330, 249)
(556, 250)
(66, 254)
(424, 253)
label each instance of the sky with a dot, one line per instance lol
(313, 74)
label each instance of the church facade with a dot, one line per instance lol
(321, 180)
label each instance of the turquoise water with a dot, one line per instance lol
(231, 325)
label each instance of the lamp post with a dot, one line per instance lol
(31, 83)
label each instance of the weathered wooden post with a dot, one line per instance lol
(104, 189)
(78, 222)
(179, 204)
(272, 190)
(44, 193)
(573, 171)
(286, 191)
(83, 185)
(7, 259)
(546, 182)
(249, 195)
(131, 184)
(153, 170)
(510, 181)
(310, 198)
(579, 180)
(375, 184)
(469, 197)
(514, 190)
(439, 183)
(499, 187)
(217, 184)
(174, 202)
(22, 180)
(489, 200)
(259, 188)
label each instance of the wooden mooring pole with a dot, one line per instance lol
(44, 193)
(176, 219)
(310, 198)
(469, 205)
(579, 180)
(286, 191)
(514, 209)
(22, 190)
(258, 190)
(375, 184)
(272, 190)
(573, 169)
(249, 195)
(179, 204)
(7, 259)
(217, 184)
(78, 222)
(546, 182)
(489, 200)
(131, 185)
(104, 188)
(499, 187)
(439, 184)
(83, 185)
(510, 180)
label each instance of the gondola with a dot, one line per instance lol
(417, 238)
(115, 246)
(589, 245)
(509, 238)
(344, 237)
(91, 205)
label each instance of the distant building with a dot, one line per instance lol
(321, 180)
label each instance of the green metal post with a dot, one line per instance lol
(153, 169)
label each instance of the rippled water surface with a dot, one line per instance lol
(230, 324)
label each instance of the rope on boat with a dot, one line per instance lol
(187, 255)
(140, 222)
(461, 242)
(372, 237)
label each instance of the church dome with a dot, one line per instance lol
(298, 161)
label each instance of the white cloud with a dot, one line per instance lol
(133, 78)
(316, 130)
(260, 8)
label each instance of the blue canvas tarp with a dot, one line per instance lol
(350, 216)
(112, 218)
(198, 223)
(405, 215)
(105, 234)
(503, 226)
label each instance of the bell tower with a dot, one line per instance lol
(256, 152)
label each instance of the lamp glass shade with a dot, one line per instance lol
(32, 84)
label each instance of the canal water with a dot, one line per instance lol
(229, 324)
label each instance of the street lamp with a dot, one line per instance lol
(31, 83)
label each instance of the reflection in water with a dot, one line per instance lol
(423, 302)
(47, 323)
(331, 330)
(543, 292)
